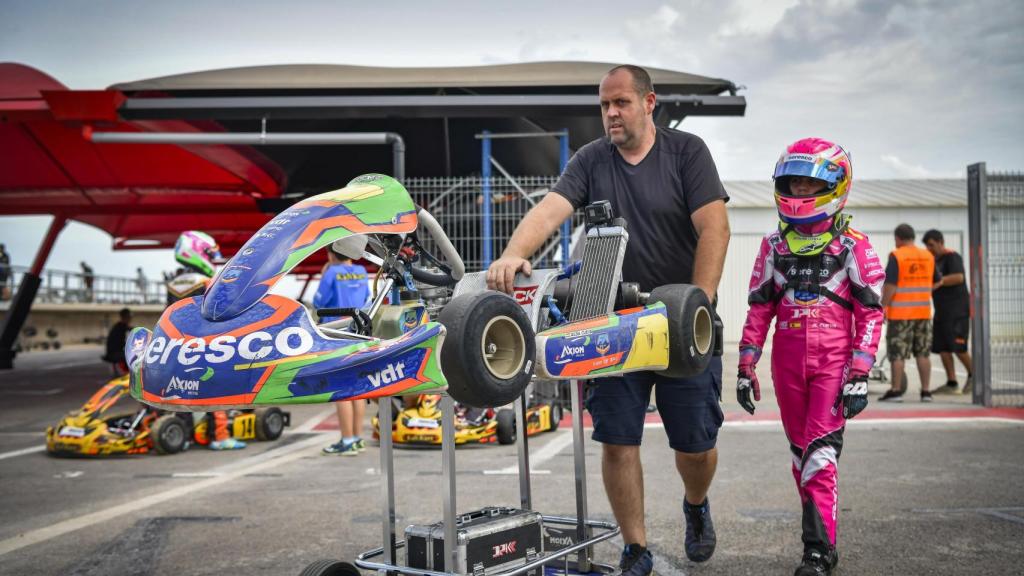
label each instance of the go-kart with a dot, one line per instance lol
(420, 424)
(91, 431)
(241, 346)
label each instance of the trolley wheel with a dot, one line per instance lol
(330, 568)
(269, 423)
(555, 416)
(169, 434)
(506, 426)
(691, 328)
(489, 349)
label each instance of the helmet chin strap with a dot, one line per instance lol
(811, 244)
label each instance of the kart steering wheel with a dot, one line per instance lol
(454, 270)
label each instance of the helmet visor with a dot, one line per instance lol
(812, 166)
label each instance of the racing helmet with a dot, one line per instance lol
(815, 158)
(197, 250)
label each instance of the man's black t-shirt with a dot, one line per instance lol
(656, 197)
(951, 301)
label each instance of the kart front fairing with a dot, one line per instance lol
(240, 346)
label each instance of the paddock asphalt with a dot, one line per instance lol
(924, 489)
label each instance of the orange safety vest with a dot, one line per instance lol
(913, 298)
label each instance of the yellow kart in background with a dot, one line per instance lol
(421, 423)
(91, 432)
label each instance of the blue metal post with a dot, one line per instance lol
(563, 160)
(485, 216)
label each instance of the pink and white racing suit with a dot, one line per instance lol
(828, 320)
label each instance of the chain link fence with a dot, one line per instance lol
(996, 214)
(457, 203)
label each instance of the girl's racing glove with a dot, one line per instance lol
(746, 379)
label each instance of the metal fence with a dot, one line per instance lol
(996, 214)
(457, 203)
(66, 287)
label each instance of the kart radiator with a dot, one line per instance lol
(594, 287)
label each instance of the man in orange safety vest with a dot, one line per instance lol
(906, 297)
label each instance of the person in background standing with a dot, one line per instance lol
(116, 339)
(952, 302)
(344, 285)
(141, 283)
(5, 273)
(87, 279)
(906, 295)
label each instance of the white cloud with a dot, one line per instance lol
(905, 170)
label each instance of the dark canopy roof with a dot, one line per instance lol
(438, 111)
(536, 75)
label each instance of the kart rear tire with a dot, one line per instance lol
(269, 424)
(488, 352)
(169, 434)
(330, 568)
(506, 426)
(691, 328)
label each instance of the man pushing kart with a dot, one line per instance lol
(822, 282)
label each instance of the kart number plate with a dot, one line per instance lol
(423, 423)
(72, 431)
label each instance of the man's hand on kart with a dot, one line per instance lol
(746, 379)
(501, 276)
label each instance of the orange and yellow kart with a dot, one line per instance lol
(90, 431)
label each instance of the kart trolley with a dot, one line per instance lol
(638, 332)
(385, 558)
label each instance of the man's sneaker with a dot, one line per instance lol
(968, 385)
(926, 396)
(636, 561)
(700, 531)
(950, 388)
(360, 445)
(891, 396)
(817, 564)
(227, 444)
(342, 448)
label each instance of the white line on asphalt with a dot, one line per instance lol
(47, 392)
(22, 452)
(562, 439)
(284, 454)
(315, 420)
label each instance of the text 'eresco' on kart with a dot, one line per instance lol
(97, 430)
(241, 346)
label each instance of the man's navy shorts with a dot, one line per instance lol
(690, 408)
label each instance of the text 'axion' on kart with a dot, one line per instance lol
(240, 346)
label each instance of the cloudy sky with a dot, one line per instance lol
(913, 88)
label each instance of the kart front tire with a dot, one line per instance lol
(506, 431)
(555, 417)
(169, 434)
(488, 352)
(269, 424)
(691, 328)
(330, 568)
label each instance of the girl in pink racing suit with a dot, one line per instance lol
(822, 282)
